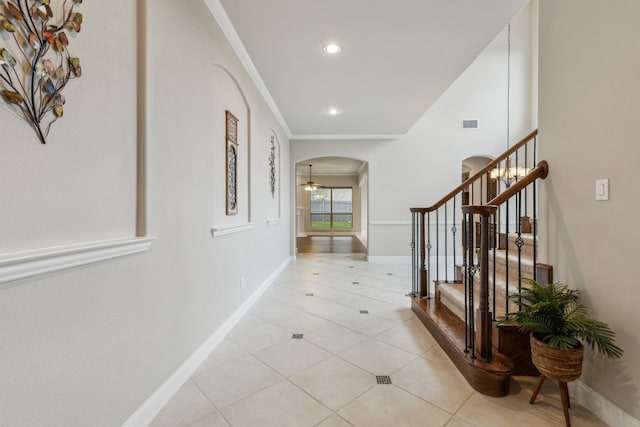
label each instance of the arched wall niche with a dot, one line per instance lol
(229, 96)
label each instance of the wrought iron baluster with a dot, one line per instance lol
(438, 244)
(429, 251)
(534, 230)
(446, 245)
(495, 244)
(526, 165)
(519, 241)
(453, 233)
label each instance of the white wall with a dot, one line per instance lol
(45, 195)
(87, 346)
(424, 165)
(589, 104)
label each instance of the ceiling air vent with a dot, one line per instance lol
(470, 124)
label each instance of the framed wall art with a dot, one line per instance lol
(272, 168)
(232, 163)
(35, 59)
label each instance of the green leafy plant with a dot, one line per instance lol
(553, 314)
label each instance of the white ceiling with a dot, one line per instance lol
(398, 57)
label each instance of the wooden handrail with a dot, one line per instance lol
(479, 174)
(539, 171)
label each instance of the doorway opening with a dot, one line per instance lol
(331, 214)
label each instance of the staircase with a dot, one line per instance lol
(471, 250)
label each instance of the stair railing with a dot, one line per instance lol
(455, 241)
(479, 330)
(436, 235)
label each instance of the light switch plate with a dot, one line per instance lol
(602, 189)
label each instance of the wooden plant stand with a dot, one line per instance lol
(564, 397)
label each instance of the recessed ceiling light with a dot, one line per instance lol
(333, 111)
(332, 49)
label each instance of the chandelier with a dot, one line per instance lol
(310, 185)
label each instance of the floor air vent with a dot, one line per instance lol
(469, 124)
(297, 336)
(383, 379)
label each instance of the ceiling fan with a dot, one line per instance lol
(310, 185)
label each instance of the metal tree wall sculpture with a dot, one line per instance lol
(36, 63)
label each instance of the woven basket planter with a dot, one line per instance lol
(555, 363)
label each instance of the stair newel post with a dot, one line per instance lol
(424, 282)
(484, 315)
(412, 245)
(506, 256)
(466, 266)
(469, 309)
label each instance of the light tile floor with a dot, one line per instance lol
(260, 376)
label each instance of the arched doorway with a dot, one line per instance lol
(470, 166)
(331, 196)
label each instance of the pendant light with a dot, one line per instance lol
(509, 174)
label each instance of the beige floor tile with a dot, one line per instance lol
(435, 382)
(392, 312)
(325, 309)
(334, 382)
(256, 336)
(456, 422)
(367, 324)
(269, 309)
(292, 356)
(377, 357)
(226, 351)
(334, 421)
(301, 323)
(232, 381)
(487, 411)
(387, 405)
(186, 406)
(281, 405)
(233, 387)
(213, 420)
(335, 338)
(416, 340)
(286, 296)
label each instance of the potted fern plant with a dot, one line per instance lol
(553, 314)
(558, 325)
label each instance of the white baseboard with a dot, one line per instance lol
(602, 407)
(149, 409)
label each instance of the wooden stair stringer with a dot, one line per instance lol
(491, 378)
